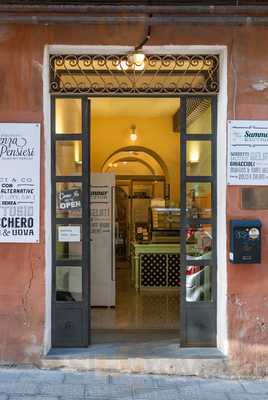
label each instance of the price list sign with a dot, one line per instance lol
(248, 153)
(19, 182)
(100, 201)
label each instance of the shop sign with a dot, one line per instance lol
(19, 182)
(247, 152)
(69, 200)
(100, 211)
(69, 234)
(99, 194)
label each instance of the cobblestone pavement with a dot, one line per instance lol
(35, 384)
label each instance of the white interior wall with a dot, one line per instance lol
(222, 340)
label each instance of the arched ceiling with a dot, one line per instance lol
(124, 161)
(127, 162)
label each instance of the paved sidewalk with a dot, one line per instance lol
(35, 384)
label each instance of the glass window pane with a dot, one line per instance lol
(68, 200)
(68, 158)
(199, 242)
(68, 116)
(198, 115)
(198, 283)
(198, 199)
(68, 283)
(69, 242)
(198, 157)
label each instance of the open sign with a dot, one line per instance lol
(69, 200)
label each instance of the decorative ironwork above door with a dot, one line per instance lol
(119, 74)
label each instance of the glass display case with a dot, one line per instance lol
(165, 225)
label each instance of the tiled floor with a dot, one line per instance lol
(155, 309)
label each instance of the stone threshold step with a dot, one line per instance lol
(185, 361)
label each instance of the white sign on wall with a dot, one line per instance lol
(248, 152)
(19, 182)
(69, 234)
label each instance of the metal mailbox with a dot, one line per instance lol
(245, 241)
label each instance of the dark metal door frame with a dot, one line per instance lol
(66, 314)
(199, 316)
(207, 309)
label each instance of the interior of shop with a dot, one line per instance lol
(135, 215)
(134, 142)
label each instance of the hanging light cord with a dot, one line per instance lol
(148, 35)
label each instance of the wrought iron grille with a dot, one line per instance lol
(118, 74)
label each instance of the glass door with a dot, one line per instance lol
(198, 220)
(70, 221)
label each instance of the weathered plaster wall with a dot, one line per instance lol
(22, 266)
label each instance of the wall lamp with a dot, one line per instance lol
(135, 61)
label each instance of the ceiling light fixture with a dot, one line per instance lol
(133, 134)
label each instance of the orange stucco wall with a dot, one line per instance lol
(22, 267)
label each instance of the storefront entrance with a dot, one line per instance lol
(170, 252)
(141, 301)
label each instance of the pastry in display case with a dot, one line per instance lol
(142, 232)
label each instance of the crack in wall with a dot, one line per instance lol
(25, 297)
(240, 306)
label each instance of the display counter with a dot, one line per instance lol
(155, 265)
(155, 252)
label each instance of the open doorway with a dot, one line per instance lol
(135, 261)
(147, 269)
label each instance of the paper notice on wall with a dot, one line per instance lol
(19, 182)
(247, 152)
(69, 233)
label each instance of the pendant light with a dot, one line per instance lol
(133, 134)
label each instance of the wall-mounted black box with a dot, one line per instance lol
(245, 241)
